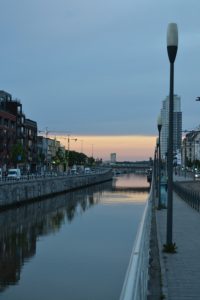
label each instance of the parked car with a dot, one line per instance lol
(87, 171)
(14, 174)
(1, 174)
(197, 175)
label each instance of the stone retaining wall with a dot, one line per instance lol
(15, 193)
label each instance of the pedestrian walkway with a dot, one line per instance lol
(180, 271)
(182, 178)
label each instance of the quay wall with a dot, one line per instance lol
(19, 192)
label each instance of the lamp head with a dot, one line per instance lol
(172, 41)
(172, 34)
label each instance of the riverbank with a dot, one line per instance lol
(19, 192)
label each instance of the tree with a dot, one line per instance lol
(76, 158)
(59, 159)
(18, 154)
(91, 161)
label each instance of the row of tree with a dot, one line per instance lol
(61, 158)
(74, 158)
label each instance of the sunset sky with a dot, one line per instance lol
(100, 67)
(130, 148)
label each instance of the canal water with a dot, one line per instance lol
(75, 246)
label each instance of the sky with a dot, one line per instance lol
(127, 148)
(98, 68)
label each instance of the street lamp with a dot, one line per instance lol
(81, 145)
(172, 46)
(92, 149)
(156, 168)
(159, 124)
(68, 148)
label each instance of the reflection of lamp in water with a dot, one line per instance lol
(68, 148)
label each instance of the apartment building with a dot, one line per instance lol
(191, 148)
(18, 135)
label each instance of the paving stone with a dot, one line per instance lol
(180, 271)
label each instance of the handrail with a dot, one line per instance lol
(5, 180)
(136, 279)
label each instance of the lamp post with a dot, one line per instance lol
(157, 166)
(155, 170)
(185, 157)
(172, 46)
(159, 124)
(92, 149)
(68, 148)
(154, 167)
(81, 145)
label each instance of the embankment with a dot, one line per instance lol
(19, 192)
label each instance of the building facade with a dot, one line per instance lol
(18, 135)
(7, 138)
(191, 148)
(19, 144)
(177, 129)
(30, 144)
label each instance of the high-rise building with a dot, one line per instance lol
(177, 128)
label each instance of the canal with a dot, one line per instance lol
(74, 246)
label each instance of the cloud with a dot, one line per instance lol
(98, 66)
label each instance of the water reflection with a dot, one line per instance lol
(20, 228)
(74, 243)
(131, 180)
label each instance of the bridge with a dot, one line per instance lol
(131, 167)
(139, 189)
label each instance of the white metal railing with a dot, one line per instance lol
(5, 179)
(136, 279)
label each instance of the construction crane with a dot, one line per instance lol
(56, 132)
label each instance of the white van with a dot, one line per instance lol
(14, 174)
(73, 170)
(87, 171)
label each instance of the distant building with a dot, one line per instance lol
(177, 121)
(113, 157)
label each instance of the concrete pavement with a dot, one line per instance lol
(180, 272)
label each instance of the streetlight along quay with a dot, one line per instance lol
(159, 124)
(172, 46)
(68, 148)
